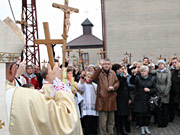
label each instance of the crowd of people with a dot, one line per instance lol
(110, 95)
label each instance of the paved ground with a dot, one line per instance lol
(172, 128)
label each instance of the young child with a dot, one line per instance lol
(88, 112)
(47, 87)
(68, 79)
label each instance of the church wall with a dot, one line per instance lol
(142, 28)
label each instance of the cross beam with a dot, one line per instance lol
(67, 10)
(49, 42)
(68, 51)
(101, 52)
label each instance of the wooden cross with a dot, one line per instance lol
(67, 10)
(22, 23)
(44, 61)
(81, 61)
(68, 51)
(73, 56)
(151, 54)
(170, 59)
(125, 60)
(130, 56)
(49, 42)
(58, 57)
(160, 57)
(101, 52)
(126, 53)
(79, 51)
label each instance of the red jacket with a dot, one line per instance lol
(32, 80)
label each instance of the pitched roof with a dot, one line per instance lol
(86, 40)
(87, 23)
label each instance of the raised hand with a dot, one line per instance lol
(21, 68)
(55, 72)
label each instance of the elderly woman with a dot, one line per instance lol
(145, 87)
(163, 85)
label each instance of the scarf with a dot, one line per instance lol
(144, 77)
(106, 71)
(162, 70)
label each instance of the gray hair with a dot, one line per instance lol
(144, 68)
(89, 73)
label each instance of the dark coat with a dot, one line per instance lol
(106, 100)
(175, 78)
(142, 97)
(123, 96)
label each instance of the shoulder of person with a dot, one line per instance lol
(111, 71)
(167, 70)
(152, 77)
(94, 84)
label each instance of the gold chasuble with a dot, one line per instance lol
(48, 89)
(33, 114)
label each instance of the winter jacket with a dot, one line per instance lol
(31, 79)
(141, 97)
(175, 79)
(163, 84)
(123, 97)
(106, 100)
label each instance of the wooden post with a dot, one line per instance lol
(101, 52)
(67, 10)
(68, 51)
(130, 56)
(79, 51)
(126, 59)
(160, 57)
(49, 42)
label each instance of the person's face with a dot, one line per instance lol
(161, 66)
(106, 65)
(36, 69)
(91, 69)
(29, 70)
(145, 61)
(138, 68)
(70, 75)
(144, 73)
(174, 62)
(134, 64)
(76, 68)
(12, 71)
(88, 77)
(74, 63)
(119, 71)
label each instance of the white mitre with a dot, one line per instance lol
(11, 46)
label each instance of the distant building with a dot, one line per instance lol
(142, 28)
(87, 43)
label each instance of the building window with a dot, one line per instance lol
(85, 57)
